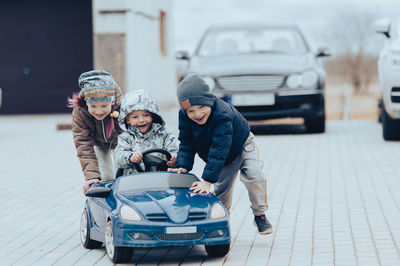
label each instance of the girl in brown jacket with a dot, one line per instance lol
(94, 125)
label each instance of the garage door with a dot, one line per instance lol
(44, 46)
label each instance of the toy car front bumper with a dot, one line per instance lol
(130, 234)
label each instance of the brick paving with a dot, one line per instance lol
(334, 199)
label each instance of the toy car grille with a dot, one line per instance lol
(195, 216)
(186, 236)
(156, 217)
(161, 217)
(251, 83)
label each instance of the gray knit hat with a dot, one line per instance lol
(97, 86)
(193, 90)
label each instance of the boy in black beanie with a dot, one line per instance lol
(221, 136)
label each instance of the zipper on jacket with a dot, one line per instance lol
(104, 133)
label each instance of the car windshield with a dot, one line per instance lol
(154, 180)
(222, 42)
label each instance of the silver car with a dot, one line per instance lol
(265, 71)
(389, 68)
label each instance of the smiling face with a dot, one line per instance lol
(100, 110)
(199, 113)
(140, 119)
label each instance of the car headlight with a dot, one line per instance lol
(293, 81)
(309, 78)
(394, 57)
(129, 214)
(210, 82)
(305, 79)
(395, 53)
(217, 211)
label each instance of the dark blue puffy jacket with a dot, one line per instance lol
(218, 142)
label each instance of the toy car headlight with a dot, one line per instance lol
(210, 82)
(129, 214)
(217, 211)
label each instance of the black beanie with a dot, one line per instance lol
(193, 90)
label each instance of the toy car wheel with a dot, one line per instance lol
(85, 233)
(116, 254)
(217, 250)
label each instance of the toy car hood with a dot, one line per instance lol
(175, 205)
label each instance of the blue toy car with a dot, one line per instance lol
(151, 209)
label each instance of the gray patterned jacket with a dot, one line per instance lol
(132, 140)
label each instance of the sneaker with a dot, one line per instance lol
(263, 225)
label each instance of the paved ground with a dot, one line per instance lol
(334, 200)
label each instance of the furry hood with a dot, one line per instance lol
(76, 100)
(138, 100)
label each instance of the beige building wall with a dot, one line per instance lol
(133, 41)
(109, 54)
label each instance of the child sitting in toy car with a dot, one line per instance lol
(144, 129)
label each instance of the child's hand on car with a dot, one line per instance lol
(136, 157)
(171, 162)
(88, 183)
(178, 170)
(201, 187)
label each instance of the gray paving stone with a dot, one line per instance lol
(333, 200)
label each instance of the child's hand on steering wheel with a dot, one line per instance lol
(172, 162)
(136, 157)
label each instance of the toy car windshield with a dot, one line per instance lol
(149, 180)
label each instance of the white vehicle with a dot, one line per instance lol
(389, 77)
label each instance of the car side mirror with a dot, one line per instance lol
(182, 55)
(98, 192)
(322, 52)
(382, 26)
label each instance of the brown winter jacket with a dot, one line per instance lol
(89, 132)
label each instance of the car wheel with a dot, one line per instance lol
(85, 233)
(315, 124)
(116, 254)
(217, 250)
(390, 126)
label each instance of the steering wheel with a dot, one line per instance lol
(151, 162)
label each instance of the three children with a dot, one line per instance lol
(208, 126)
(221, 136)
(144, 129)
